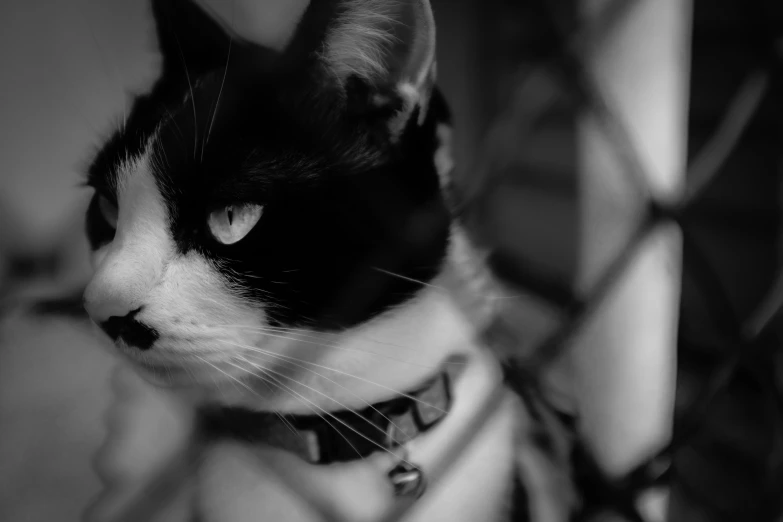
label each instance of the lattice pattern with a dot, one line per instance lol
(573, 88)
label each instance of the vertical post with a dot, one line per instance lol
(625, 362)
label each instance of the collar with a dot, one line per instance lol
(339, 436)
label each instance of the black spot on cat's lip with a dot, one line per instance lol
(130, 331)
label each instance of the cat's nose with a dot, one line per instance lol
(108, 299)
(117, 287)
(126, 328)
(113, 305)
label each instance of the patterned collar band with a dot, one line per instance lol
(338, 436)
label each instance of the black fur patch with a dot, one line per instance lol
(131, 331)
(343, 205)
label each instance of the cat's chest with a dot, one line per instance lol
(239, 483)
(233, 481)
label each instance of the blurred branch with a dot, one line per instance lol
(521, 117)
(768, 309)
(708, 162)
(580, 310)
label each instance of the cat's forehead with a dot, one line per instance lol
(213, 129)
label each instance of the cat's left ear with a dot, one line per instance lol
(387, 44)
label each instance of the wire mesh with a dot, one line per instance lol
(602, 494)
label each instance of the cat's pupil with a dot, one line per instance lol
(230, 215)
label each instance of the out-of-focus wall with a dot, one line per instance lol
(66, 68)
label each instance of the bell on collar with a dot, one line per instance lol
(407, 480)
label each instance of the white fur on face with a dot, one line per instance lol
(216, 340)
(183, 297)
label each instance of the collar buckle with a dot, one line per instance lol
(407, 480)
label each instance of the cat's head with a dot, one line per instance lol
(256, 197)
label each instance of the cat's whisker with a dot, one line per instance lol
(165, 155)
(362, 338)
(287, 423)
(220, 91)
(343, 348)
(212, 300)
(251, 276)
(280, 330)
(310, 404)
(192, 96)
(409, 279)
(306, 334)
(187, 370)
(367, 403)
(279, 335)
(265, 380)
(268, 383)
(379, 446)
(170, 118)
(340, 372)
(205, 361)
(430, 285)
(292, 379)
(277, 330)
(214, 380)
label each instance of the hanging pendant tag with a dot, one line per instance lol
(407, 480)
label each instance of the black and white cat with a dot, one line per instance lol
(272, 239)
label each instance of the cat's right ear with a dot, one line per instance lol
(190, 40)
(382, 47)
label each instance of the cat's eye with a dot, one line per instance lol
(233, 222)
(108, 211)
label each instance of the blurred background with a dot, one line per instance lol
(521, 77)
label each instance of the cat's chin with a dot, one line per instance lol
(203, 385)
(166, 376)
(174, 375)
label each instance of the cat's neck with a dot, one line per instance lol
(393, 353)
